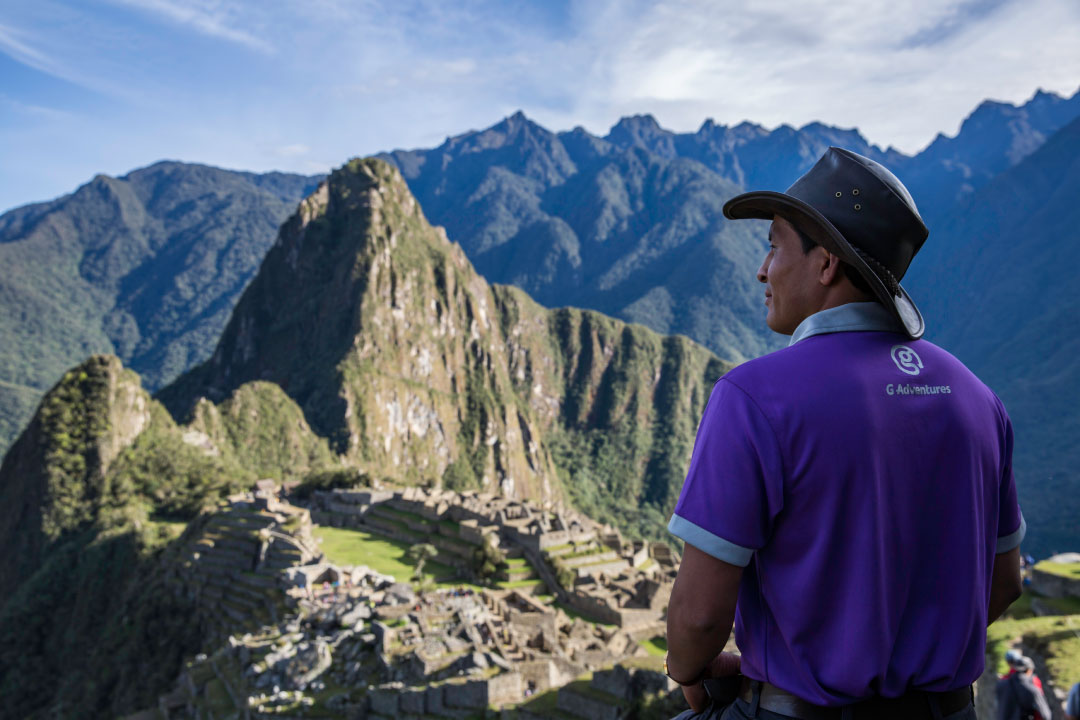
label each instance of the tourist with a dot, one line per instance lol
(1018, 697)
(853, 492)
(1017, 663)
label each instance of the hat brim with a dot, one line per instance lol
(765, 204)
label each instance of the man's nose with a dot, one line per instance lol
(763, 271)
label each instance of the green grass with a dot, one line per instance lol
(390, 557)
(656, 646)
(517, 584)
(556, 548)
(584, 553)
(649, 662)
(357, 547)
(406, 516)
(1068, 570)
(1057, 637)
(1064, 606)
(575, 615)
(1021, 608)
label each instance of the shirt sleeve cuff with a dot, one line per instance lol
(706, 542)
(1010, 541)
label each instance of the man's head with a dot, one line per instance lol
(1024, 665)
(856, 211)
(801, 277)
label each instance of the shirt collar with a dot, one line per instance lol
(852, 317)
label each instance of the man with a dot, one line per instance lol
(852, 492)
(1018, 697)
(1016, 660)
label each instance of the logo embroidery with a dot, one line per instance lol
(906, 359)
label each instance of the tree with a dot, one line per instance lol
(486, 559)
(420, 553)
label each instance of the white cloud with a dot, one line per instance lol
(330, 79)
(900, 72)
(207, 17)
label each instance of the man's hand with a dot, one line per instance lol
(723, 665)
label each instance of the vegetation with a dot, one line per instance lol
(1056, 637)
(146, 266)
(343, 478)
(486, 560)
(656, 646)
(357, 547)
(1067, 570)
(420, 553)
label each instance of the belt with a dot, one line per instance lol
(912, 704)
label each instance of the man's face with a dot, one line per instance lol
(792, 290)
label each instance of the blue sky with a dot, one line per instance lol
(111, 85)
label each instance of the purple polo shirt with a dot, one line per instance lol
(864, 481)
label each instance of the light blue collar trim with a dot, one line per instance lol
(852, 317)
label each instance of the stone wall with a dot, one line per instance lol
(1053, 585)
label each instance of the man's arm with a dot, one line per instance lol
(700, 615)
(1006, 584)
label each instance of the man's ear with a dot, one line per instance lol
(829, 272)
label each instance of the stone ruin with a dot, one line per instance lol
(615, 581)
(307, 625)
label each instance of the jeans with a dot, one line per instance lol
(740, 710)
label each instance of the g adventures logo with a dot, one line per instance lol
(906, 359)
(908, 362)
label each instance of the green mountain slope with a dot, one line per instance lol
(367, 342)
(996, 290)
(146, 266)
(94, 494)
(417, 370)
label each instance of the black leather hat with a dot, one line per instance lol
(858, 210)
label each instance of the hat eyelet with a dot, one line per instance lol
(855, 191)
(858, 206)
(839, 194)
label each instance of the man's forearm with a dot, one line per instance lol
(700, 613)
(1006, 584)
(690, 648)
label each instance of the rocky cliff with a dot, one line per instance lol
(417, 370)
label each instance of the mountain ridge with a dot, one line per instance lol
(146, 265)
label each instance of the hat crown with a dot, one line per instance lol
(867, 204)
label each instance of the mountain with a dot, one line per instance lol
(630, 223)
(95, 493)
(367, 343)
(146, 266)
(995, 289)
(995, 137)
(417, 370)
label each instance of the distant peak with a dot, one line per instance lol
(638, 122)
(710, 126)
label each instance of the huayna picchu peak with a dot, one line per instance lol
(415, 368)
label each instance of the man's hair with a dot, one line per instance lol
(808, 244)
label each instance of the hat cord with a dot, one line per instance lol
(883, 273)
